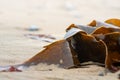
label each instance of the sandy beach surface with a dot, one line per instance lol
(51, 17)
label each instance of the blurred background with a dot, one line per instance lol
(56, 14)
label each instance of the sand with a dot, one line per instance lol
(51, 17)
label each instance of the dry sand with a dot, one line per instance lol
(52, 17)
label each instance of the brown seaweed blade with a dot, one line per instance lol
(113, 21)
(105, 30)
(111, 37)
(96, 23)
(93, 23)
(57, 53)
(86, 46)
(85, 28)
(112, 41)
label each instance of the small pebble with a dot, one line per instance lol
(101, 74)
(33, 28)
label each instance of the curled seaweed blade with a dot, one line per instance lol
(96, 23)
(93, 23)
(87, 29)
(105, 30)
(113, 21)
(112, 40)
(72, 32)
(58, 53)
(87, 47)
